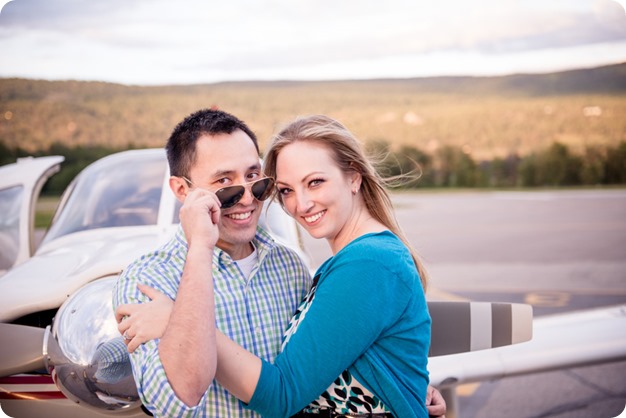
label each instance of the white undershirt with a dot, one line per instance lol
(246, 265)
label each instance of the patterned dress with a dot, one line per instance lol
(346, 395)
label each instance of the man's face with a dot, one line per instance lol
(225, 160)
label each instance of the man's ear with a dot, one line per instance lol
(179, 187)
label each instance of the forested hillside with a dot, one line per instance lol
(478, 119)
(491, 115)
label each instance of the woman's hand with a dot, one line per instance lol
(141, 322)
(435, 403)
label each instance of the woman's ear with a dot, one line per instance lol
(355, 182)
(179, 187)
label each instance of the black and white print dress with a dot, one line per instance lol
(345, 395)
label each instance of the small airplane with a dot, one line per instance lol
(60, 351)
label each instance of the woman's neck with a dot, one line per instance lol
(360, 224)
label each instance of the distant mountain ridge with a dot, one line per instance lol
(609, 79)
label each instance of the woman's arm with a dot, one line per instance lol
(238, 370)
(345, 318)
(351, 309)
(149, 321)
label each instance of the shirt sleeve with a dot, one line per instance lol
(355, 303)
(153, 388)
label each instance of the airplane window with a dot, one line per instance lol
(120, 190)
(10, 202)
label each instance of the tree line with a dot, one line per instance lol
(448, 166)
(554, 166)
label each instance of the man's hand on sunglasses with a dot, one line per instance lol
(200, 216)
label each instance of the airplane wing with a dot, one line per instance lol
(559, 341)
(459, 327)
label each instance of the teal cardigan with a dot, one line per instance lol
(369, 316)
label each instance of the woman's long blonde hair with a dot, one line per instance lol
(350, 157)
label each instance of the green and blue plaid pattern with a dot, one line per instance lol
(253, 312)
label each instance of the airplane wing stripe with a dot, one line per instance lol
(459, 327)
(501, 325)
(522, 323)
(451, 328)
(481, 326)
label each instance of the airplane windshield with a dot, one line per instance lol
(10, 201)
(121, 190)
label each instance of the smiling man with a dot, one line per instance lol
(258, 284)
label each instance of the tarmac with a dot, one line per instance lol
(558, 250)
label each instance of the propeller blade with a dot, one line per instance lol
(21, 349)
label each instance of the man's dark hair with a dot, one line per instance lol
(181, 145)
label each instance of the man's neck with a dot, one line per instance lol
(238, 251)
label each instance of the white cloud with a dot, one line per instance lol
(158, 41)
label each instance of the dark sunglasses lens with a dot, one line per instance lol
(229, 196)
(262, 189)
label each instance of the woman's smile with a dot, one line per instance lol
(311, 219)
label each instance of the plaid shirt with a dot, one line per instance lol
(253, 312)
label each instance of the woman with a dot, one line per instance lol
(361, 335)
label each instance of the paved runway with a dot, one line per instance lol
(557, 250)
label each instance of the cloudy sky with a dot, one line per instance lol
(184, 41)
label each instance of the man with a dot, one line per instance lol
(258, 284)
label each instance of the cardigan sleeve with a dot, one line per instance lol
(357, 299)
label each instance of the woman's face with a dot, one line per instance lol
(314, 190)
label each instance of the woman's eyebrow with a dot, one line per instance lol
(313, 174)
(304, 179)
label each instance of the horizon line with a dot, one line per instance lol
(304, 80)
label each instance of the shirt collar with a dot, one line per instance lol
(262, 240)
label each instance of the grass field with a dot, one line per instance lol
(44, 211)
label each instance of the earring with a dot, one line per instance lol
(355, 191)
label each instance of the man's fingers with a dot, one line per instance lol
(132, 345)
(122, 312)
(215, 215)
(213, 206)
(151, 292)
(122, 327)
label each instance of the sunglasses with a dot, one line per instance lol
(229, 196)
